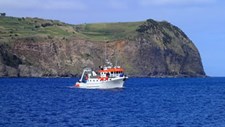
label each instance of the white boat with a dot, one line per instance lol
(108, 77)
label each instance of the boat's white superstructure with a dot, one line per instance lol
(108, 77)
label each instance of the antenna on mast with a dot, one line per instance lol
(105, 51)
(116, 62)
(105, 54)
(107, 62)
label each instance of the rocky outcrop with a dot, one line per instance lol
(158, 49)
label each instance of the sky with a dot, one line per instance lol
(202, 20)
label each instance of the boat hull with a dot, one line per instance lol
(111, 83)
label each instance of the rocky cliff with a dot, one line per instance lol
(32, 47)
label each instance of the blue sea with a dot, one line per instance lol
(144, 102)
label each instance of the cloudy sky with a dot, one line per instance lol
(202, 20)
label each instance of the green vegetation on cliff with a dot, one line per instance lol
(11, 28)
(147, 48)
(108, 31)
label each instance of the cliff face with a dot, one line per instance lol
(149, 48)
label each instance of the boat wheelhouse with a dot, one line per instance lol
(107, 77)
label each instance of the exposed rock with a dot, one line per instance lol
(29, 71)
(156, 49)
(2, 70)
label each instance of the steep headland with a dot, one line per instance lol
(33, 47)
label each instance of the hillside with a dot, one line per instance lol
(33, 47)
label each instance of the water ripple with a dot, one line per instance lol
(149, 102)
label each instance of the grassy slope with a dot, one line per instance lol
(36, 28)
(11, 28)
(108, 31)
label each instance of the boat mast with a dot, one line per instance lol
(106, 58)
(116, 62)
(107, 62)
(105, 52)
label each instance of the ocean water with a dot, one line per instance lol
(144, 102)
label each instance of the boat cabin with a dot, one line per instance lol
(106, 73)
(111, 72)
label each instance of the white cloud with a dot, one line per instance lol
(64, 5)
(175, 2)
(118, 4)
(43, 4)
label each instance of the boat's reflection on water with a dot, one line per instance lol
(114, 89)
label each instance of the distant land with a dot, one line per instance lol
(34, 47)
